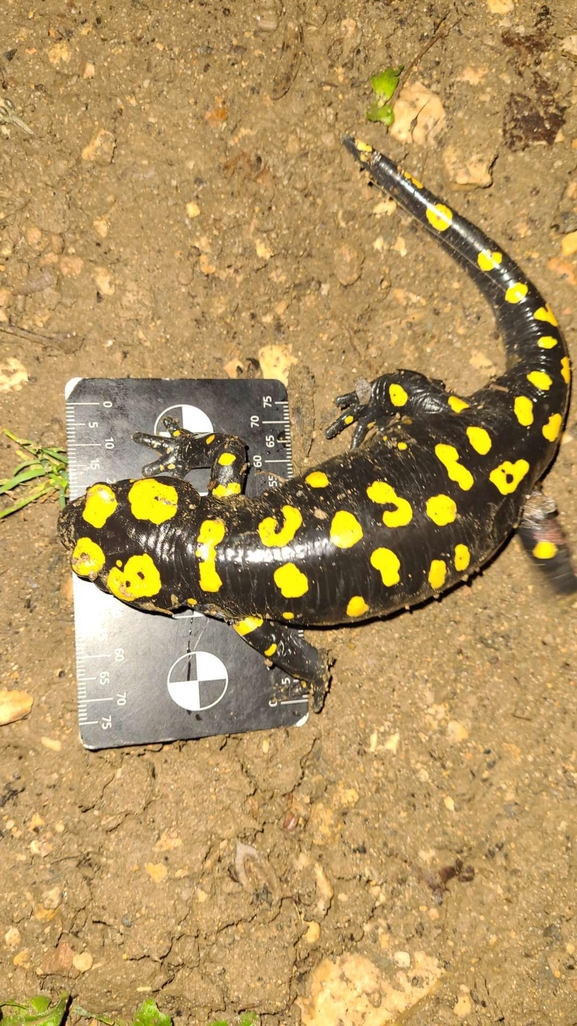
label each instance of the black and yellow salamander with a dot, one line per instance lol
(434, 491)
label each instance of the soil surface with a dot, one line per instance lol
(184, 202)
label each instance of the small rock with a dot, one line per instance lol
(456, 732)
(192, 209)
(157, 871)
(263, 250)
(501, 6)
(103, 278)
(568, 242)
(313, 932)
(276, 361)
(52, 743)
(12, 937)
(402, 959)
(57, 961)
(83, 962)
(89, 70)
(419, 115)
(206, 264)
(463, 1005)
(100, 149)
(71, 266)
(347, 262)
(101, 226)
(22, 958)
(472, 170)
(14, 705)
(59, 54)
(52, 898)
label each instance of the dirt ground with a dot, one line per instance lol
(185, 201)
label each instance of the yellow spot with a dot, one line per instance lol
(363, 146)
(87, 558)
(545, 550)
(357, 606)
(100, 505)
(398, 395)
(547, 341)
(553, 426)
(449, 457)
(222, 491)
(508, 476)
(437, 573)
(523, 407)
(566, 370)
(288, 616)
(209, 439)
(250, 623)
(515, 293)
(345, 530)
(349, 419)
(388, 564)
(271, 649)
(192, 602)
(440, 217)
(269, 532)
(226, 458)
(291, 582)
(488, 261)
(441, 509)
(317, 479)
(411, 178)
(540, 380)
(462, 557)
(480, 440)
(402, 445)
(153, 500)
(385, 495)
(457, 404)
(138, 579)
(211, 532)
(545, 313)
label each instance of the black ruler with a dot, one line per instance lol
(144, 677)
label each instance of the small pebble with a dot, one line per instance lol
(347, 263)
(83, 962)
(402, 959)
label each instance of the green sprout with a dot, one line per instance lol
(35, 1012)
(47, 467)
(384, 86)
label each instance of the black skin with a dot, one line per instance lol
(387, 525)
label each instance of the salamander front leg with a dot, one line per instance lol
(385, 402)
(186, 450)
(286, 648)
(544, 540)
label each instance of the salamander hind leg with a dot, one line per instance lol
(184, 451)
(286, 648)
(544, 540)
(389, 398)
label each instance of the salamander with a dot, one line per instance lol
(432, 486)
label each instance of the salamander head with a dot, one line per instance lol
(125, 537)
